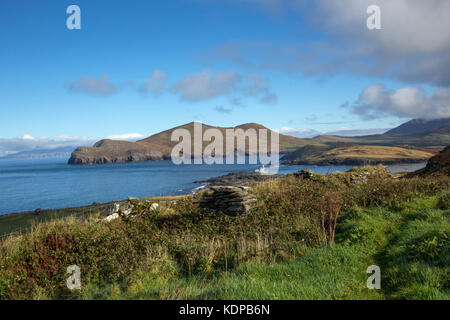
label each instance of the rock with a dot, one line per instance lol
(230, 200)
(437, 165)
(304, 173)
(363, 175)
(113, 208)
(132, 198)
(37, 212)
(112, 217)
(126, 210)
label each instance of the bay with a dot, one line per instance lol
(50, 183)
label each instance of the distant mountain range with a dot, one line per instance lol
(417, 132)
(417, 126)
(309, 133)
(41, 153)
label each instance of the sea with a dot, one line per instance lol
(50, 183)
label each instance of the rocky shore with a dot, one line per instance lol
(238, 179)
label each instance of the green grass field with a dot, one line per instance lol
(410, 245)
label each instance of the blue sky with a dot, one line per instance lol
(279, 63)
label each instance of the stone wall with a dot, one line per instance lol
(230, 200)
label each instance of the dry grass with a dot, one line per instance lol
(378, 152)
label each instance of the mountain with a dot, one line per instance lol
(357, 132)
(419, 133)
(299, 133)
(159, 146)
(41, 153)
(310, 133)
(416, 126)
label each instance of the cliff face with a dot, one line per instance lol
(159, 146)
(111, 151)
(437, 165)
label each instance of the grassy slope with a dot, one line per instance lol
(358, 154)
(277, 252)
(19, 222)
(409, 244)
(431, 139)
(377, 153)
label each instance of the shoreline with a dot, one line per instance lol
(232, 178)
(15, 221)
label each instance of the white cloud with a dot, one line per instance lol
(255, 85)
(223, 110)
(29, 143)
(93, 86)
(205, 85)
(299, 133)
(156, 84)
(127, 136)
(412, 45)
(27, 136)
(412, 102)
(408, 26)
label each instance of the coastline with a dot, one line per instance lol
(18, 221)
(352, 162)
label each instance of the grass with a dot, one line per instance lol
(358, 154)
(20, 222)
(306, 239)
(401, 242)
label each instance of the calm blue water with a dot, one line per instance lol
(27, 184)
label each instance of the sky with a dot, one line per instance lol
(139, 67)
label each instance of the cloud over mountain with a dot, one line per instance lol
(411, 102)
(27, 142)
(412, 45)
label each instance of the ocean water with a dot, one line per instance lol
(49, 183)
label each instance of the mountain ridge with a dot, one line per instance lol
(416, 126)
(159, 146)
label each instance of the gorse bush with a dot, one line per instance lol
(291, 214)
